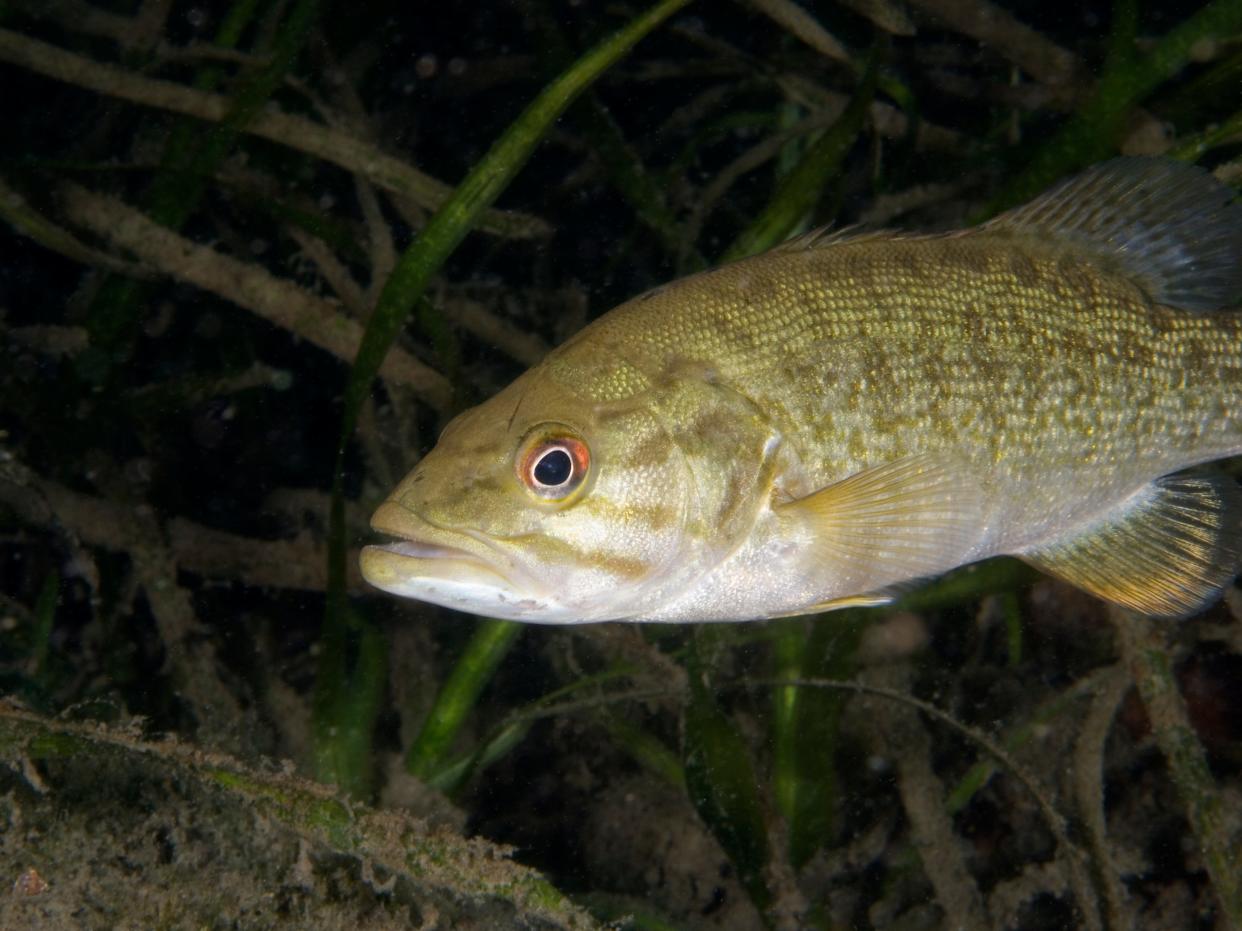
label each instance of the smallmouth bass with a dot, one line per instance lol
(822, 424)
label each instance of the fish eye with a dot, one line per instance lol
(553, 466)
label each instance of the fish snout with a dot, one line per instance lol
(449, 568)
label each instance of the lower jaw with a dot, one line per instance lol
(460, 585)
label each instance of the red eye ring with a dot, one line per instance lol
(553, 466)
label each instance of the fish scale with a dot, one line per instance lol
(995, 375)
(827, 422)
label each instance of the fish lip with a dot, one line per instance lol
(424, 562)
(418, 551)
(416, 544)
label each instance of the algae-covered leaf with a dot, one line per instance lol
(805, 725)
(401, 294)
(720, 777)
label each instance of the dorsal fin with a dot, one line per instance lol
(823, 236)
(1170, 226)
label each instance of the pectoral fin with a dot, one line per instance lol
(914, 517)
(1167, 550)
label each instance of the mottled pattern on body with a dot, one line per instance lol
(825, 423)
(1003, 350)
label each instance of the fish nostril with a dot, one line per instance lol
(411, 500)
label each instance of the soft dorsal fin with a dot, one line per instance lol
(823, 236)
(1171, 227)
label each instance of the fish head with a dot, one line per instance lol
(538, 505)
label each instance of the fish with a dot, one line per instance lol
(849, 414)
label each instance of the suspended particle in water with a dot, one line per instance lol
(426, 66)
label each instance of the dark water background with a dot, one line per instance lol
(166, 464)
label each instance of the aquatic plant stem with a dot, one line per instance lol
(472, 671)
(908, 743)
(401, 293)
(645, 748)
(994, 26)
(33, 225)
(479, 190)
(1145, 650)
(1019, 736)
(1089, 789)
(249, 285)
(1224, 133)
(1092, 133)
(995, 576)
(437, 865)
(1074, 857)
(803, 188)
(45, 617)
(188, 164)
(621, 162)
(786, 664)
(337, 147)
(805, 724)
(184, 168)
(721, 782)
(448, 774)
(359, 649)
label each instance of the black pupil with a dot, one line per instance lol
(554, 468)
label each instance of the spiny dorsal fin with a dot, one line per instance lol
(1171, 227)
(913, 517)
(1167, 550)
(823, 236)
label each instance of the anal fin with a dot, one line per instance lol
(1168, 550)
(840, 604)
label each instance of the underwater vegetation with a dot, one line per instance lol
(257, 254)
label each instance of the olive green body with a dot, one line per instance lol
(1048, 375)
(817, 425)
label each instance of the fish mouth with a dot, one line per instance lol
(444, 567)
